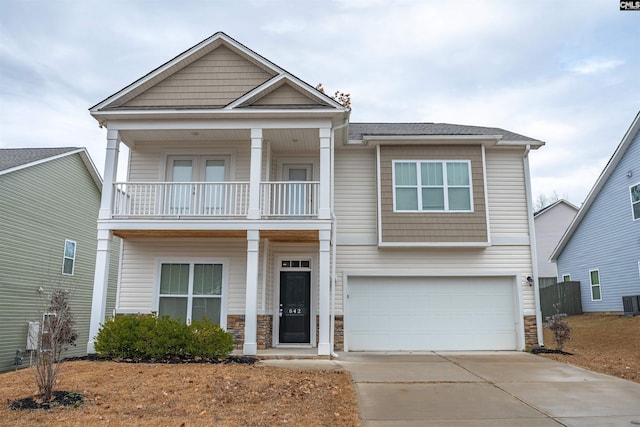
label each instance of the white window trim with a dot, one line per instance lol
(191, 262)
(599, 285)
(632, 202)
(445, 186)
(73, 259)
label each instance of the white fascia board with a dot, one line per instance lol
(489, 140)
(533, 144)
(212, 225)
(230, 123)
(108, 116)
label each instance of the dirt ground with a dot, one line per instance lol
(602, 343)
(118, 394)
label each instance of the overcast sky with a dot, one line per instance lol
(563, 71)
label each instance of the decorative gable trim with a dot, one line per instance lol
(276, 83)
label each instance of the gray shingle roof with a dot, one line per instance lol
(358, 130)
(13, 157)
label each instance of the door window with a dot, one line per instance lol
(298, 194)
(193, 190)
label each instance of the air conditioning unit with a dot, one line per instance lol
(631, 305)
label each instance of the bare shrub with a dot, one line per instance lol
(559, 327)
(55, 336)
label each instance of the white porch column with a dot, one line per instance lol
(255, 174)
(105, 236)
(324, 208)
(324, 345)
(250, 346)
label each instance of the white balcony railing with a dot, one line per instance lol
(213, 199)
(144, 199)
(289, 199)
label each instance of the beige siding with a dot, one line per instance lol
(496, 260)
(285, 95)
(214, 80)
(506, 190)
(148, 160)
(355, 195)
(456, 227)
(139, 267)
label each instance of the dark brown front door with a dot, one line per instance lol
(295, 307)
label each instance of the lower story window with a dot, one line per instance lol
(191, 291)
(594, 277)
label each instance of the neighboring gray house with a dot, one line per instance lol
(49, 201)
(551, 223)
(601, 248)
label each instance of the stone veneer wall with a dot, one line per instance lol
(235, 326)
(530, 331)
(338, 332)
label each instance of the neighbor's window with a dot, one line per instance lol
(594, 277)
(566, 278)
(635, 201)
(432, 186)
(191, 292)
(69, 258)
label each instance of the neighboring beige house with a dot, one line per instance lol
(252, 200)
(551, 223)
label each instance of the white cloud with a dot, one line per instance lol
(595, 65)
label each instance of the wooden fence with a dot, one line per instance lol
(565, 293)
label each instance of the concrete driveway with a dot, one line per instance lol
(486, 389)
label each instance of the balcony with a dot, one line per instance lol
(198, 200)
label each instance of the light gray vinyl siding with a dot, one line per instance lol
(40, 207)
(355, 195)
(508, 214)
(550, 226)
(139, 269)
(608, 239)
(149, 160)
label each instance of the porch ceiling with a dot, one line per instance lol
(296, 140)
(273, 235)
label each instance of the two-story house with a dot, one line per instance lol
(252, 200)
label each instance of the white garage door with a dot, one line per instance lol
(431, 313)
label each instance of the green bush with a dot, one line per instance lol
(209, 341)
(147, 337)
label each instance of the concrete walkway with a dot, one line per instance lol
(481, 389)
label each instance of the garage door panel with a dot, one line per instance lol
(420, 313)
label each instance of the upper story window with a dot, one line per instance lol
(69, 257)
(635, 201)
(432, 186)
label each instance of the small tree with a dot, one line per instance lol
(559, 327)
(56, 334)
(341, 97)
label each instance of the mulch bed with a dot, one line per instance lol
(60, 398)
(542, 350)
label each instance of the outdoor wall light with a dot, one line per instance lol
(530, 280)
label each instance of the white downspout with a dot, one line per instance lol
(532, 244)
(334, 227)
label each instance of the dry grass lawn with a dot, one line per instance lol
(118, 394)
(602, 343)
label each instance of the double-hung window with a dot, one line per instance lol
(635, 201)
(191, 291)
(69, 257)
(594, 277)
(432, 186)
